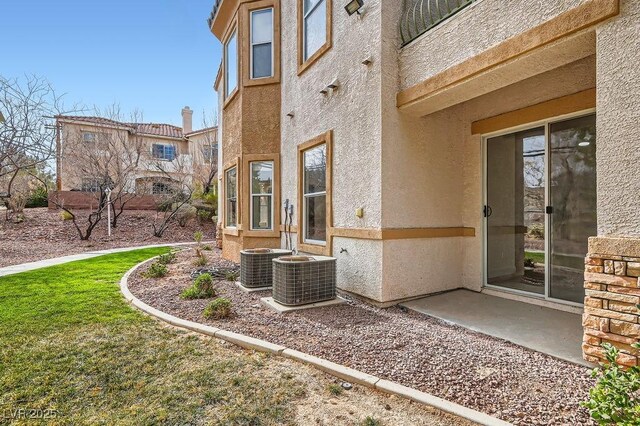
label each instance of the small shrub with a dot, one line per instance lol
(615, 398)
(156, 270)
(65, 215)
(38, 197)
(335, 389)
(204, 215)
(185, 214)
(231, 276)
(371, 421)
(167, 258)
(202, 288)
(207, 247)
(197, 236)
(200, 261)
(218, 309)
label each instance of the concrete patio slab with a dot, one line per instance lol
(282, 309)
(539, 328)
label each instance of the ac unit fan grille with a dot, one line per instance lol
(256, 268)
(301, 283)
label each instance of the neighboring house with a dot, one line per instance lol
(184, 154)
(416, 143)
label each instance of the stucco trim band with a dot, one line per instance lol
(545, 110)
(402, 233)
(563, 25)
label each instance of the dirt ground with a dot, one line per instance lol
(44, 235)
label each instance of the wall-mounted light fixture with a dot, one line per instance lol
(334, 84)
(324, 91)
(354, 6)
(367, 61)
(291, 114)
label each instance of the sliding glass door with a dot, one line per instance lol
(540, 208)
(572, 220)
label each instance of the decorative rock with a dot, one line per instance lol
(347, 386)
(625, 328)
(608, 267)
(620, 268)
(633, 269)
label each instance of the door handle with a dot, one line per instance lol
(487, 211)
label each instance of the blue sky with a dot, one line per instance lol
(157, 56)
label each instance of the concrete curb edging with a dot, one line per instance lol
(329, 367)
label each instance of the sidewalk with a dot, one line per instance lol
(16, 269)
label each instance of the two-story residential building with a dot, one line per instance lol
(184, 153)
(435, 145)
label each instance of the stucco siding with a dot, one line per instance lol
(352, 111)
(618, 147)
(473, 30)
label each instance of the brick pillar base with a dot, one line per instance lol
(612, 289)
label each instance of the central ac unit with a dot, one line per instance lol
(256, 269)
(301, 280)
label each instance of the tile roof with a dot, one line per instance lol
(154, 129)
(159, 129)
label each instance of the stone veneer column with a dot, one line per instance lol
(612, 289)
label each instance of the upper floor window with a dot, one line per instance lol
(261, 195)
(231, 198)
(315, 194)
(163, 152)
(262, 43)
(89, 137)
(231, 64)
(314, 27)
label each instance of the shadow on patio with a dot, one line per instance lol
(542, 329)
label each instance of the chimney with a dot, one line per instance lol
(187, 120)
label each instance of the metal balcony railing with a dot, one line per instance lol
(420, 16)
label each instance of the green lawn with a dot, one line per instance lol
(538, 257)
(69, 342)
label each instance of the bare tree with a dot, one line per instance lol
(106, 161)
(27, 134)
(172, 185)
(206, 160)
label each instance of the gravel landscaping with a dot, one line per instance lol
(44, 235)
(478, 371)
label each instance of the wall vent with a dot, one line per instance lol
(256, 269)
(300, 280)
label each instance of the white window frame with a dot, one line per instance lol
(252, 194)
(252, 44)
(305, 16)
(227, 92)
(164, 152)
(305, 197)
(227, 198)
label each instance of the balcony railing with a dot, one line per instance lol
(421, 15)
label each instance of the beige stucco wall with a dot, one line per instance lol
(618, 147)
(73, 154)
(432, 177)
(472, 31)
(353, 112)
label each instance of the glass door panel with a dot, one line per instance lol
(515, 211)
(572, 189)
